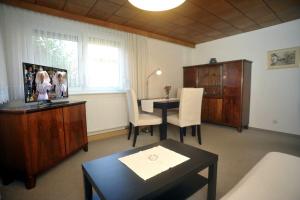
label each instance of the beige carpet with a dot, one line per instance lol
(237, 154)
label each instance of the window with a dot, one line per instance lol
(101, 71)
(103, 66)
(58, 50)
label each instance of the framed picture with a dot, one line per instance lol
(284, 58)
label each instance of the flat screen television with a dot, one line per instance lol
(44, 84)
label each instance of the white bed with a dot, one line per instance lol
(275, 177)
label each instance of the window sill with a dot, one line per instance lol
(96, 93)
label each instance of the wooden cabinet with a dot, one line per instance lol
(226, 98)
(35, 138)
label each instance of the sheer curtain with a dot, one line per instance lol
(57, 49)
(25, 32)
(15, 47)
(3, 74)
(104, 65)
(137, 55)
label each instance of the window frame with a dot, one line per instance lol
(119, 66)
(82, 55)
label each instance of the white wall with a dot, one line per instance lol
(275, 94)
(109, 111)
(170, 58)
(104, 111)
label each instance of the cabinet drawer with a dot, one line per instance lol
(75, 127)
(46, 142)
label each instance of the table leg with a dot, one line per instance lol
(6, 175)
(88, 192)
(212, 181)
(164, 124)
(193, 131)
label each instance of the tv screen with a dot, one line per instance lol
(42, 83)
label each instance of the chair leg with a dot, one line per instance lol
(129, 131)
(136, 132)
(160, 131)
(184, 131)
(199, 133)
(151, 130)
(193, 131)
(181, 134)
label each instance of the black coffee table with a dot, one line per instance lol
(111, 179)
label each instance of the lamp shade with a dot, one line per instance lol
(158, 72)
(156, 5)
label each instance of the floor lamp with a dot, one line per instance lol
(157, 72)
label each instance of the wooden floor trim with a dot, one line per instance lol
(106, 135)
(124, 131)
(275, 132)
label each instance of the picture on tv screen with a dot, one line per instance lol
(43, 83)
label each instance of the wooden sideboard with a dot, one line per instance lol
(35, 138)
(226, 98)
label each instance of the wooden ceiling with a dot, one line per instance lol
(193, 22)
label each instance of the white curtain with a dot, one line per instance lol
(62, 53)
(3, 74)
(104, 64)
(20, 26)
(15, 47)
(137, 54)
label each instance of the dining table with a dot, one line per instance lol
(164, 105)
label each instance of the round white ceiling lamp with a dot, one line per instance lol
(156, 5)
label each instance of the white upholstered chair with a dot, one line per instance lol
(137, 119)
(178, 93)
(189, 111)
(176, 110)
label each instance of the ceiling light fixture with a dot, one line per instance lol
(156, 5)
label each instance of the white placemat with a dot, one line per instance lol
(152, 162)
(147, 104)
(164, 99)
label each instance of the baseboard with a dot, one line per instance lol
(106, 135)
(275, 132)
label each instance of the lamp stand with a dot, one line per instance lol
(146, 129)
